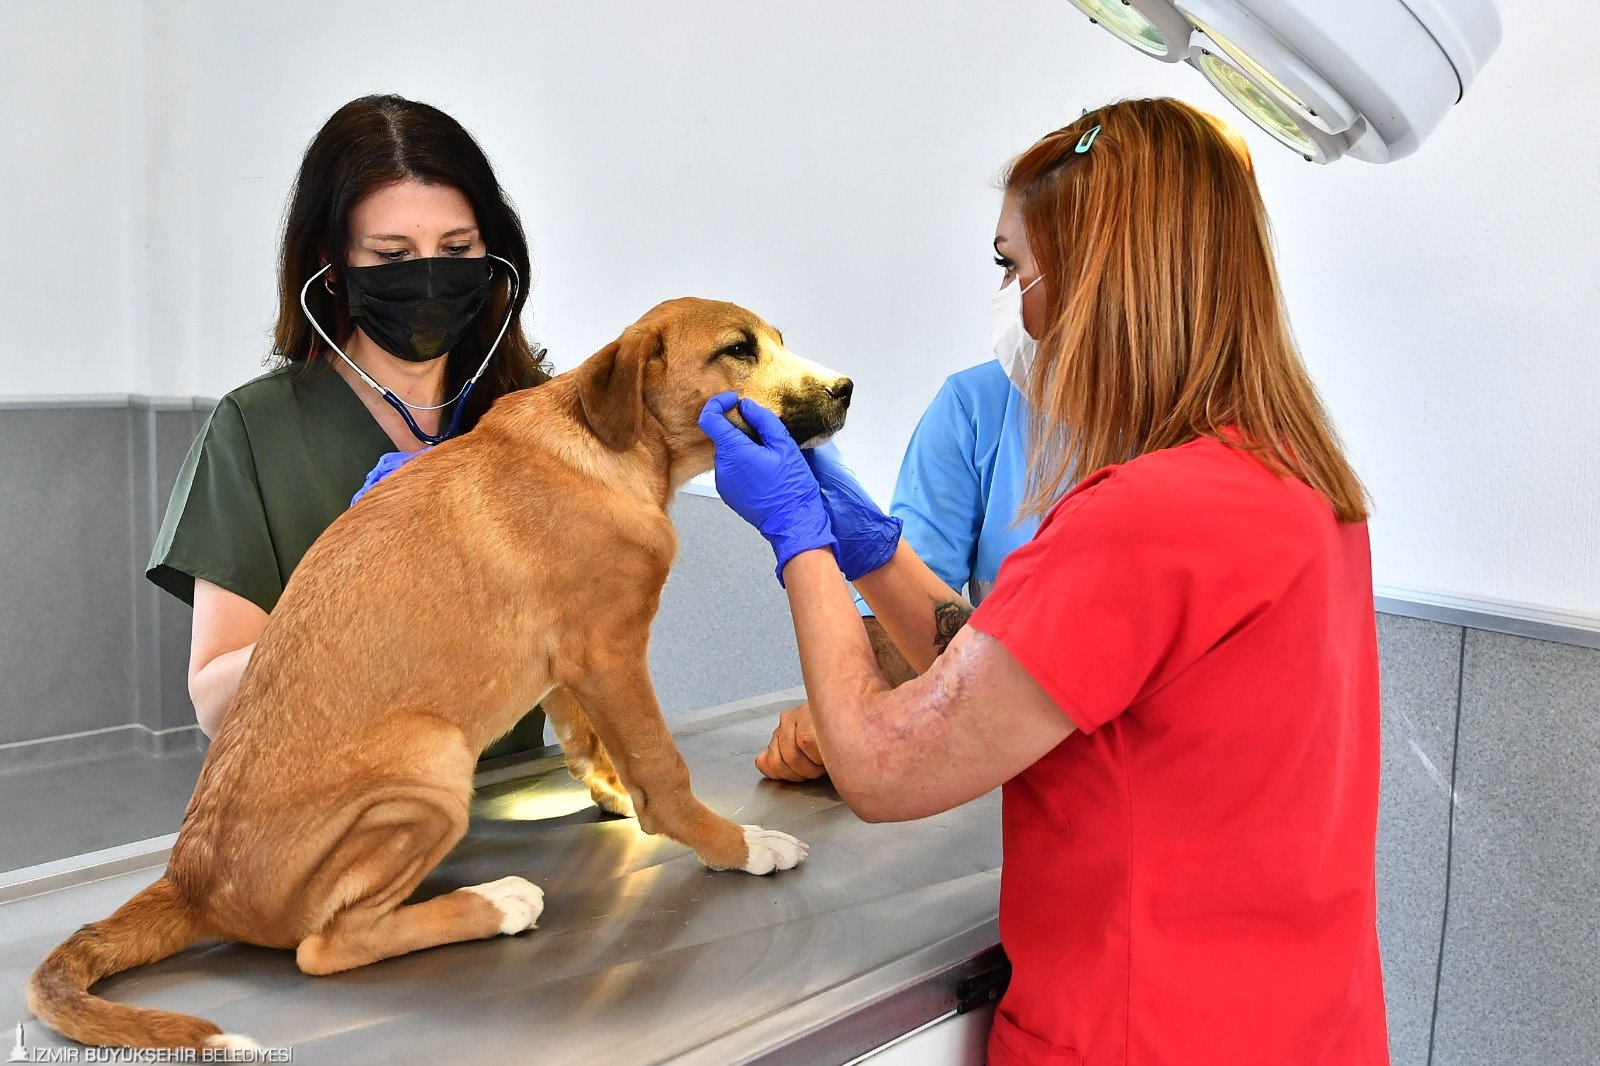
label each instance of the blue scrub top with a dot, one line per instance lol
(962, 481)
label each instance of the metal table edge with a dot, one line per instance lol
(850, 1020)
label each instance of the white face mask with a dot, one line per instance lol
(1012, 344)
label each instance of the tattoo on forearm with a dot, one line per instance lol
(948, 618)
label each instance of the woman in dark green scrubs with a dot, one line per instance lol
(400, 300)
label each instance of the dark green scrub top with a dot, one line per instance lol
(274, 465)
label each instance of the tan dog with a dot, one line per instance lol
(519, 564)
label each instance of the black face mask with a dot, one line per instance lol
(418, 309)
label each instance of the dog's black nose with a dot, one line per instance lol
(841, 390)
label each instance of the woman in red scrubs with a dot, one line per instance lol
(1176, 681)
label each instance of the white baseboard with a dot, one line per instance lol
(1496, 616)
(98, 743)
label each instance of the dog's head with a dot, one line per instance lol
(666, 366)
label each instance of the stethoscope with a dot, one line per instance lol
(396, 402)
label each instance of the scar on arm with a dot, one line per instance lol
(912, 731)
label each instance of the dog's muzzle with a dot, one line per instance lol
(817, 414)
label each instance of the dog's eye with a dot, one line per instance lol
(741, 350)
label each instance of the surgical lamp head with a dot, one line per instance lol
(1365, 78)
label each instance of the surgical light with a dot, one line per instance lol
(1126, 22)
(1327, 78)
(1253, 101)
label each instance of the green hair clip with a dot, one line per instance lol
(1087, 141)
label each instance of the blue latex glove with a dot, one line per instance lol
(867, 536)
(388, 463)
(768, 484)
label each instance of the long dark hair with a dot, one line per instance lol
(370, 143)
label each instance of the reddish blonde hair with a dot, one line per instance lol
(1165, 317)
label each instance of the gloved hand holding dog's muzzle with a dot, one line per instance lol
(767, 483)
(867, 536)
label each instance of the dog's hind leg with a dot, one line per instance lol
(627, 718)
(361, 935)
(587, 759)
(376, 867)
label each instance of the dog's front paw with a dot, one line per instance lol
(519, 901)
(611, 798)
(768, 850)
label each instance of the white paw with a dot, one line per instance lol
(519, 901)
(234, 1047)
(611, 801)
(768, 850)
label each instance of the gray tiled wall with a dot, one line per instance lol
(724, 632)
(1508, 892)
(64, 652)
(1421, 674)
(1521, 979)
(87, 650)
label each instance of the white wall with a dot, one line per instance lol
(70, 195)
(830, 165)
(174, 294)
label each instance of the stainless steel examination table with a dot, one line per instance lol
(642, 954)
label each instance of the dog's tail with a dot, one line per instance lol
(156, 923)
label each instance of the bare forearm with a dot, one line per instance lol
(891, 664)
(214, 685)
(914, 606)
(841, 673)
(974, 720)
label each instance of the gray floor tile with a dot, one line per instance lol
(1521, 980)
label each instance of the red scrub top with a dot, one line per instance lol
(1189, 877)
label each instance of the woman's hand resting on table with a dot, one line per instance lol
(794, 754)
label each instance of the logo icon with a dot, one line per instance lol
(19, 1053)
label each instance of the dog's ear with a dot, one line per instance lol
(611, 387)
